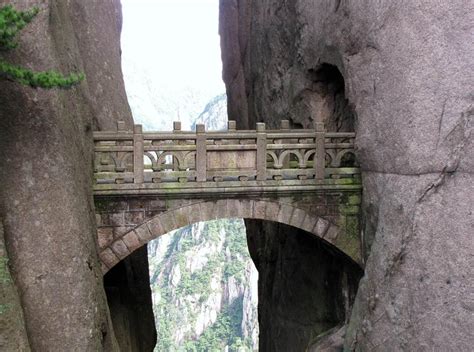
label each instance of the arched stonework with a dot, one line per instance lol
(119, 247)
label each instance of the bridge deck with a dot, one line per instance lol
(178, 163)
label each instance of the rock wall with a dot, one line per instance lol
(407, 68)
(305, 287)
(12, 323)
(46, 171)
(129, 297)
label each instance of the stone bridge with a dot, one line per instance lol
(148, 184)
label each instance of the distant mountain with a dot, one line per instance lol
(214, 115)
(156, 107)
(204, 287)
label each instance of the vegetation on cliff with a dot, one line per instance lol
(200, 279)
(12, 22)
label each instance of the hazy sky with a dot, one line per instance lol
(175, 41)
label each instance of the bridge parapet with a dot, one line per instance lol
(233, 161)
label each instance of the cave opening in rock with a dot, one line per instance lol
(328, 99)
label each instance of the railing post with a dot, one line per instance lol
(176, 129)
(285, 127)
(261, 152)
(138, 153)
(320, 154)
(120, 126)
(231, 125)
(201, 153)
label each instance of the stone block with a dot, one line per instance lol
(168, 221)
(156, 205)
(181, 217)
(271, 211)
(119, 231)
(331, 234)
(319, 210)
(112, 219)
(220, 209)
(108, 258)
(245, 208)
(333, 199)
(349, 209)
(152, 230)
(194, 213)
(354, 199)
(134, 217)
(233, 208)
(207, 211)
(297, 218)
(309, 223)
(321, 227)
(152, 213)
(285, 213)
(131, 240)
(259, 210)
(105, 236)
(120, 249)
(98, 219)
(137, 204)
(103, 267)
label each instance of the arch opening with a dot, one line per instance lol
(337, 271)
(300, 217)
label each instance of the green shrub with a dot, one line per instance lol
(11, 22)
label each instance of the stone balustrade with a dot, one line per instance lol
(232, 161)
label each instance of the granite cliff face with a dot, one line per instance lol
(408, 78)
(46, 172)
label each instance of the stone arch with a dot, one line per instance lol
(176, 218)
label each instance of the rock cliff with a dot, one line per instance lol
(46, 171)
(407, 71)
(204, 288)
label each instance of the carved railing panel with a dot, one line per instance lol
(258, 157)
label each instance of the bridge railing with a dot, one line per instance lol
(155, 159)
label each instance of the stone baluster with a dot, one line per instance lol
(120, 126)
(261, 152)
(125, 167)
(320, 155)
(285, 127)
(201, 153)
(138, 153)
(231, 126)
(176, 129)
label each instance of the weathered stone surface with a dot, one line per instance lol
(131, 240)
(321, 227)
(407, 70)
(129, 297)
(150, 230)
(45, 171)
(105, 236)
(12, 325)
(276, 209)
(304, 287)
(120, 249)
(108, 257)
(332, 341)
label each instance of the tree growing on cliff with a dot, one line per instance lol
(11, 22)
